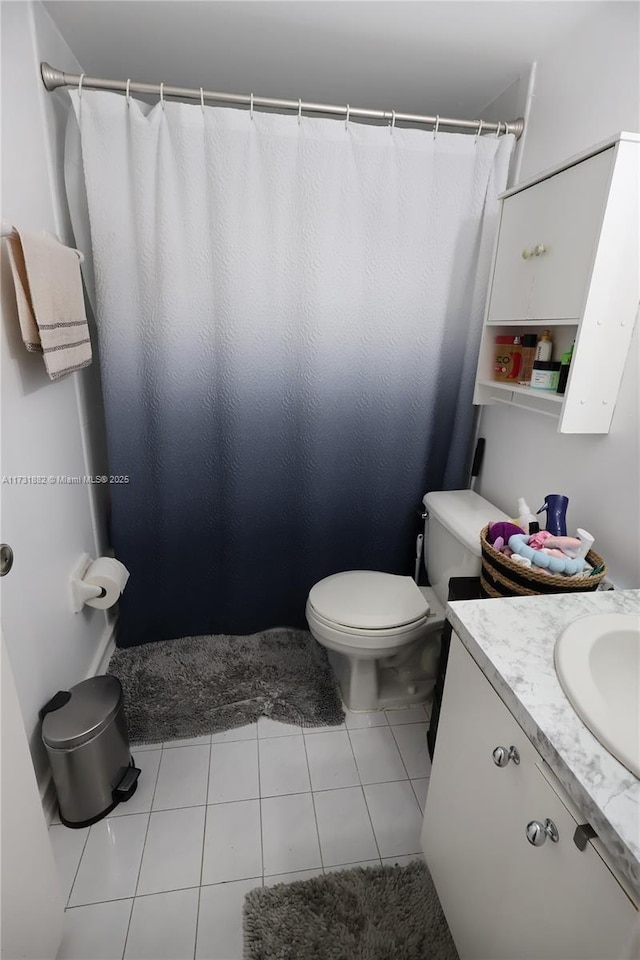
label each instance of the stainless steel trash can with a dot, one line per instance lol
(84, 731)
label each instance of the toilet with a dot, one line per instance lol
(382, 631)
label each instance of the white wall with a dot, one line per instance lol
(32, 908)
(586, 89)
(46, 427)
(583, 93)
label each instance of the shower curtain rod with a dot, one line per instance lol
(53, 78)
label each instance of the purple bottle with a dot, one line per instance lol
(556, 505)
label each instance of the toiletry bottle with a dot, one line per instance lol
(545, 375)
(556, 505)
(564, 370)
(586, 543)
(516, 354)
(527, 520)
(529, 342)
(508, 358)
(544, 349)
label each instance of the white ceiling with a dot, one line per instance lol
(451, 57)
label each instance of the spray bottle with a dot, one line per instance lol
(526, 520)
(556, 505)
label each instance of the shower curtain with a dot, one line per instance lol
(288, 313)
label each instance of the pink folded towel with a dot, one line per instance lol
(48, 285)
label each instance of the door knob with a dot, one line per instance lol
(527, 254)
(6, 559)
(502, 755)
(539, 249)
(538, 832)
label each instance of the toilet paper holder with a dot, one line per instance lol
(81, 591)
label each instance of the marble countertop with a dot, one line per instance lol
(512, 642)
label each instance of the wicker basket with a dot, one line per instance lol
(501, 577)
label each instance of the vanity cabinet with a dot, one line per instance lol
(566, 258)
(504, 897)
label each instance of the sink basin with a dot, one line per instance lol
(597, 660)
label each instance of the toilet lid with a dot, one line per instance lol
(368, 599)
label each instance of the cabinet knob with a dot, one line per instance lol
(502, 755)
(539, 249)
(526, 253)
(6, 559)
(538, 832)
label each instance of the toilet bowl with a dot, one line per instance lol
(382, 631)
(376, 627)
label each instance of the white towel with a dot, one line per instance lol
(50, 303)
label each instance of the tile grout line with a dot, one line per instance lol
(146, 834)
(416, 795)
(313, 803)
(75, 875)
(204, 834)
(161, 893)
(364, 797)
(295, 793)
(407, 769)
(306, 731)
(401, 757)
(260, 806)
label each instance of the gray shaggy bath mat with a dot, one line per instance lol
(176, 689)
(369, 913)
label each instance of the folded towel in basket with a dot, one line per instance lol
(50, 302)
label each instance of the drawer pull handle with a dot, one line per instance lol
(539, 249)
(538, 832)
(584, 833)
(502, 755)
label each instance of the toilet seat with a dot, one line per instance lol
(370, 644)
(382, 634)
(369, 603)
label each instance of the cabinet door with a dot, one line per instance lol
(557, 222)
(568, 903)
(572, 205)
(503, 898)
(512, 285)
(473, 808)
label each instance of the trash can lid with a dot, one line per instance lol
(90, 708)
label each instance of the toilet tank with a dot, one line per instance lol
(452, 535)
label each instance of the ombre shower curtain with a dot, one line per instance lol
(288, 313)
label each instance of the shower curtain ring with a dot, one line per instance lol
(162, 95)
(202, 100)
(346, 119)
(498, 128)
(393, 121)
(435, 129)
(128, 94)
(479, 130)
(80, 81)
(299, 111)
(251, 107)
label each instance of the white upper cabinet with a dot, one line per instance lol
(548, 238)
(568, 258)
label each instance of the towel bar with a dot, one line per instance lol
(8, 229)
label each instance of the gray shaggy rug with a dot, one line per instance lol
(175, 689)
(368, 913)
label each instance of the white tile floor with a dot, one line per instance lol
(165, 875)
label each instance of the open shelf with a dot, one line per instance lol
(532, 323)
(522, 390)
